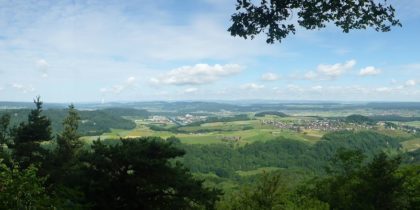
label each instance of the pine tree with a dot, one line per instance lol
(68, 141)
(4, 129)
(27, 137)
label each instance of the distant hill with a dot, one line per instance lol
(127, 112)
(359, 119)
(185, 107)
(276, 113)
(394, 118)
(93, 122)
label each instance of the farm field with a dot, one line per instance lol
(226, 132)
(242, 132)
(411, 145)
(412, 123)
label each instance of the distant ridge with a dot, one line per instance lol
(276, 113)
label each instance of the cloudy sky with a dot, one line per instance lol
(91, 51)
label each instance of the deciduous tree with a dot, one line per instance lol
(276, 18)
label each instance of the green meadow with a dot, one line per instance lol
(245, 132)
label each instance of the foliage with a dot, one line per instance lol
(356, 185)
(352, 183)
(412, 157)
(225, 160)
(273, 17)
(92, 122)
(22, 189)
(411, 185)
(149, 172)
(359, 119)
(137, 174)
(272, 191)
(62, 165)
(4, 129)
(27, 137)
(68, 141)
(269, 193)
(275, 113)
(397, 118)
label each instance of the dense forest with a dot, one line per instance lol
(275, 113)
(359, 119)
(92, 122)
(344, 170)
(224, 160)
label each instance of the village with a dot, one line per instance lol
(319, 125)
(178, 120)
(298, 125)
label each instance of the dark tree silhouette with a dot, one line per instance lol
(141, 174)
(27, 137)
(376, 185)
(68, 141)
(4, 129)
(274, 17)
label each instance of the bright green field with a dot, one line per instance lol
(244, 132)
(248, 131)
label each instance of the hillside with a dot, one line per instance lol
(94, 122)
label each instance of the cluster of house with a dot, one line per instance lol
(189, 118)
(159, 119)
(321, 125)
(180, 120)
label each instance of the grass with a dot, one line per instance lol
(411, 145)
(399, 134)
(412, 123)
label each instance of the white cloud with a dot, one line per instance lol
(343, 92)
(369, 71)
(294, 88)
(341, 51)
(130, 81)
(252, 86)
(270, 77)
(335, 70)
(23, 88)
(410, 83)
(310, 75)
(384, 89)
(190, 90)
(198, 74)
(317, 88)
(117, 89)
(327, 71)
(42, 66)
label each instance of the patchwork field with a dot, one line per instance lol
(236, 132)
(242, 132)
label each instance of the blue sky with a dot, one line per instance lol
(91, 51)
